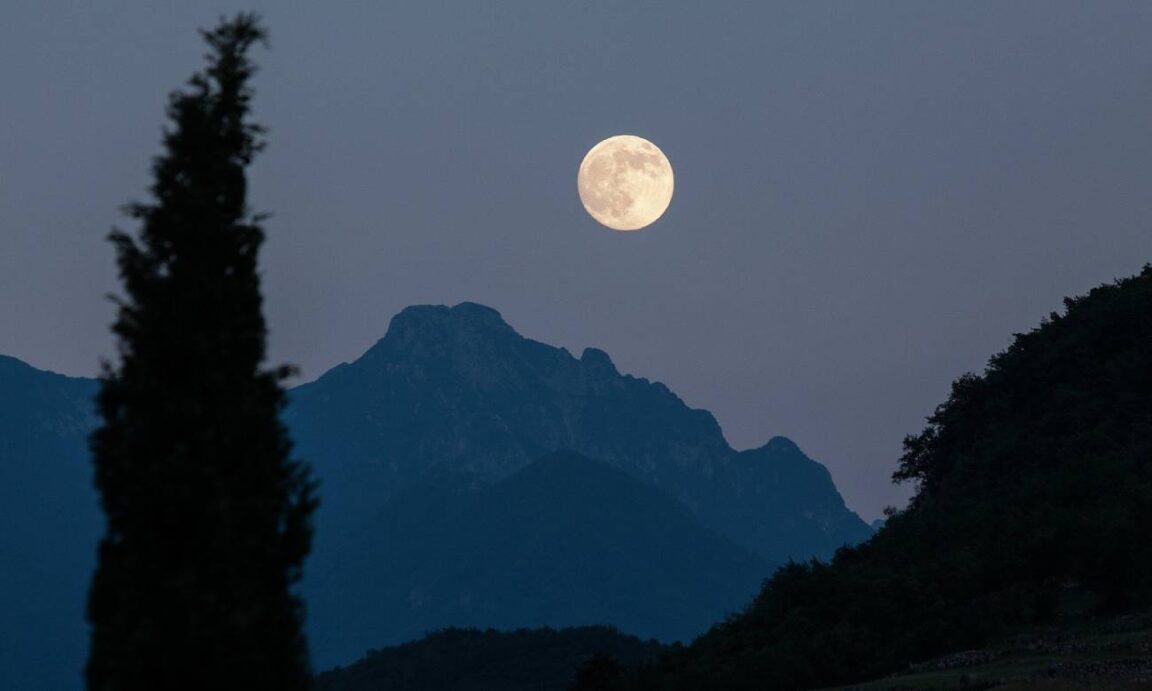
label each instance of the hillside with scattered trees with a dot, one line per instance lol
(1033, 505)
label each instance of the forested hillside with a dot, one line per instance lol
(489, 660)
(1033, 505)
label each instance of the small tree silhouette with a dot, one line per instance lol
(208, 520)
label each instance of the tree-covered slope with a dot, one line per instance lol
(489, 660)
(1034, 504)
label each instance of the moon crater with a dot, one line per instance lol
(625, 182)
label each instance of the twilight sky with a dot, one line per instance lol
(870, 197)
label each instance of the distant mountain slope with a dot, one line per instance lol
(787, 504)
(1034, 505)
(450, 401)
(456, 391)
(563, 541)
(455, 400)
(50, 521)
(474, 660)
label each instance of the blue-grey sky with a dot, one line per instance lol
(870, 197)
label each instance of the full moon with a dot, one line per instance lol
(625, 182)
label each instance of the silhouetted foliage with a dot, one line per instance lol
(597, 673)
(1033, 505)
(207, 518)
(474, 660)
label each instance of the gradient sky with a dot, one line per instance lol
(870, 197)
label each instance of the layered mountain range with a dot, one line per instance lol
(469, 476)
(564, 541)
(458, 394)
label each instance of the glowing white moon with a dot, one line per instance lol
(625, 182)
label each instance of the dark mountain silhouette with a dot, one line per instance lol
(456, 393)
(455, 399)
(474, 660)
(564, 540)
(51, 523)
(1033, 508)
(440, 416)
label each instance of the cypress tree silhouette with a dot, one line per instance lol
(208, 519)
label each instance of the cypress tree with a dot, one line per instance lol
(208, 517)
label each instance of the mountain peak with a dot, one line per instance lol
(476, 312)
(436, 329)
(456, 394)
(598, 360)
(462, 316)
(782, 445)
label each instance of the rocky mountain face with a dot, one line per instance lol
(457, 393)
(435, 507)
(453, 406)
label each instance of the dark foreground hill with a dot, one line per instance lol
(1033, 508)
(474, 660)
(1110, 653)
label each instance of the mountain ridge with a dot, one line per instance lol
(1024, 550)
(454, 397)
(453, 394)
(505, 382)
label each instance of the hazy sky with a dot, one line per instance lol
(870, 197)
